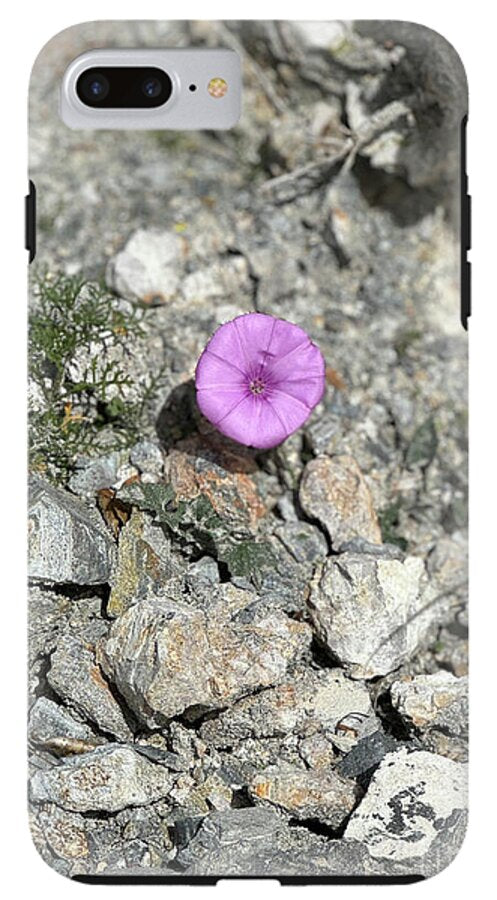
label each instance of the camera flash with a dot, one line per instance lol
(217, 87)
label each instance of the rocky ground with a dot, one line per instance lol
(250, 662)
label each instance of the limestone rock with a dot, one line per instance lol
(76, 677)
(437, 707)
(149, 266)
(56, 730)
(372, 613)
(144, 563)
(334, 492)
(303, 541)
(107, 779)
(223, 474)
(213, 793)
(92, 475)
(65, 833)
(258, 842)
(68, 541)
(166, 657)
(85, 844)
(448, 563)
(412, 799)
(147, 457)
(225, 278)
(311, 702)
(306, 794)
(249, 828)
(51, 614)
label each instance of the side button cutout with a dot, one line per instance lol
(465, 234)
(467, 223)
(465, 294)
(30, 221)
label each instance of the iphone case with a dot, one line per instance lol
(249, 657)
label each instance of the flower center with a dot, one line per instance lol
(257, 386)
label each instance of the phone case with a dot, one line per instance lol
(247, 514)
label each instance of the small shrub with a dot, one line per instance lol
(72, 319)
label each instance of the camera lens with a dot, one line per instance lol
(152, 87)
(124, 87)
(95, 87)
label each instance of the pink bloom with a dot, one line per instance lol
(258, 379)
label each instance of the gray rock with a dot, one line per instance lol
(296, 548)
(322, 35)
(306, 794)
(148, 654)
(448, 563)
(245, 830)
(325, 701)
(147, 457)
(379, 551)
(47, 619)
(437, 707)
(75, 844)
(413, 799)
(286, 508)
(107, 779)
(144, 563)
(303, 540)
(366, 754)
(193, 798)
(62, 833)
(225, 278)
(334, 492)
(284, 583)
(324, 433)
(450, 652)
(94, 474)
(204, 572)
(249, 841)
(258, 842)
(148, 268)
(317, 751)
(51, 614)
(434, 67)
(76, 677)
(68, 542)
(372, 613)
(54, 728)
(422, 447)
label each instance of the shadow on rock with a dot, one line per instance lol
(180, 425)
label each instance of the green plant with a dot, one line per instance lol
(197, 525)
(389, 523)
(80, 390)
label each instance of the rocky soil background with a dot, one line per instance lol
(246, 662)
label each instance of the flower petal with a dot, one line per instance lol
(225, 344)
(255, 423)
(216, 404)
(244, 341)
(254, 331)
(213, 370)
(300, 363)
(308, 390)
(291, 412)
(286, 338)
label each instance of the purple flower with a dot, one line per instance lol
(258, 379)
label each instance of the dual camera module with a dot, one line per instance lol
(131, 87)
